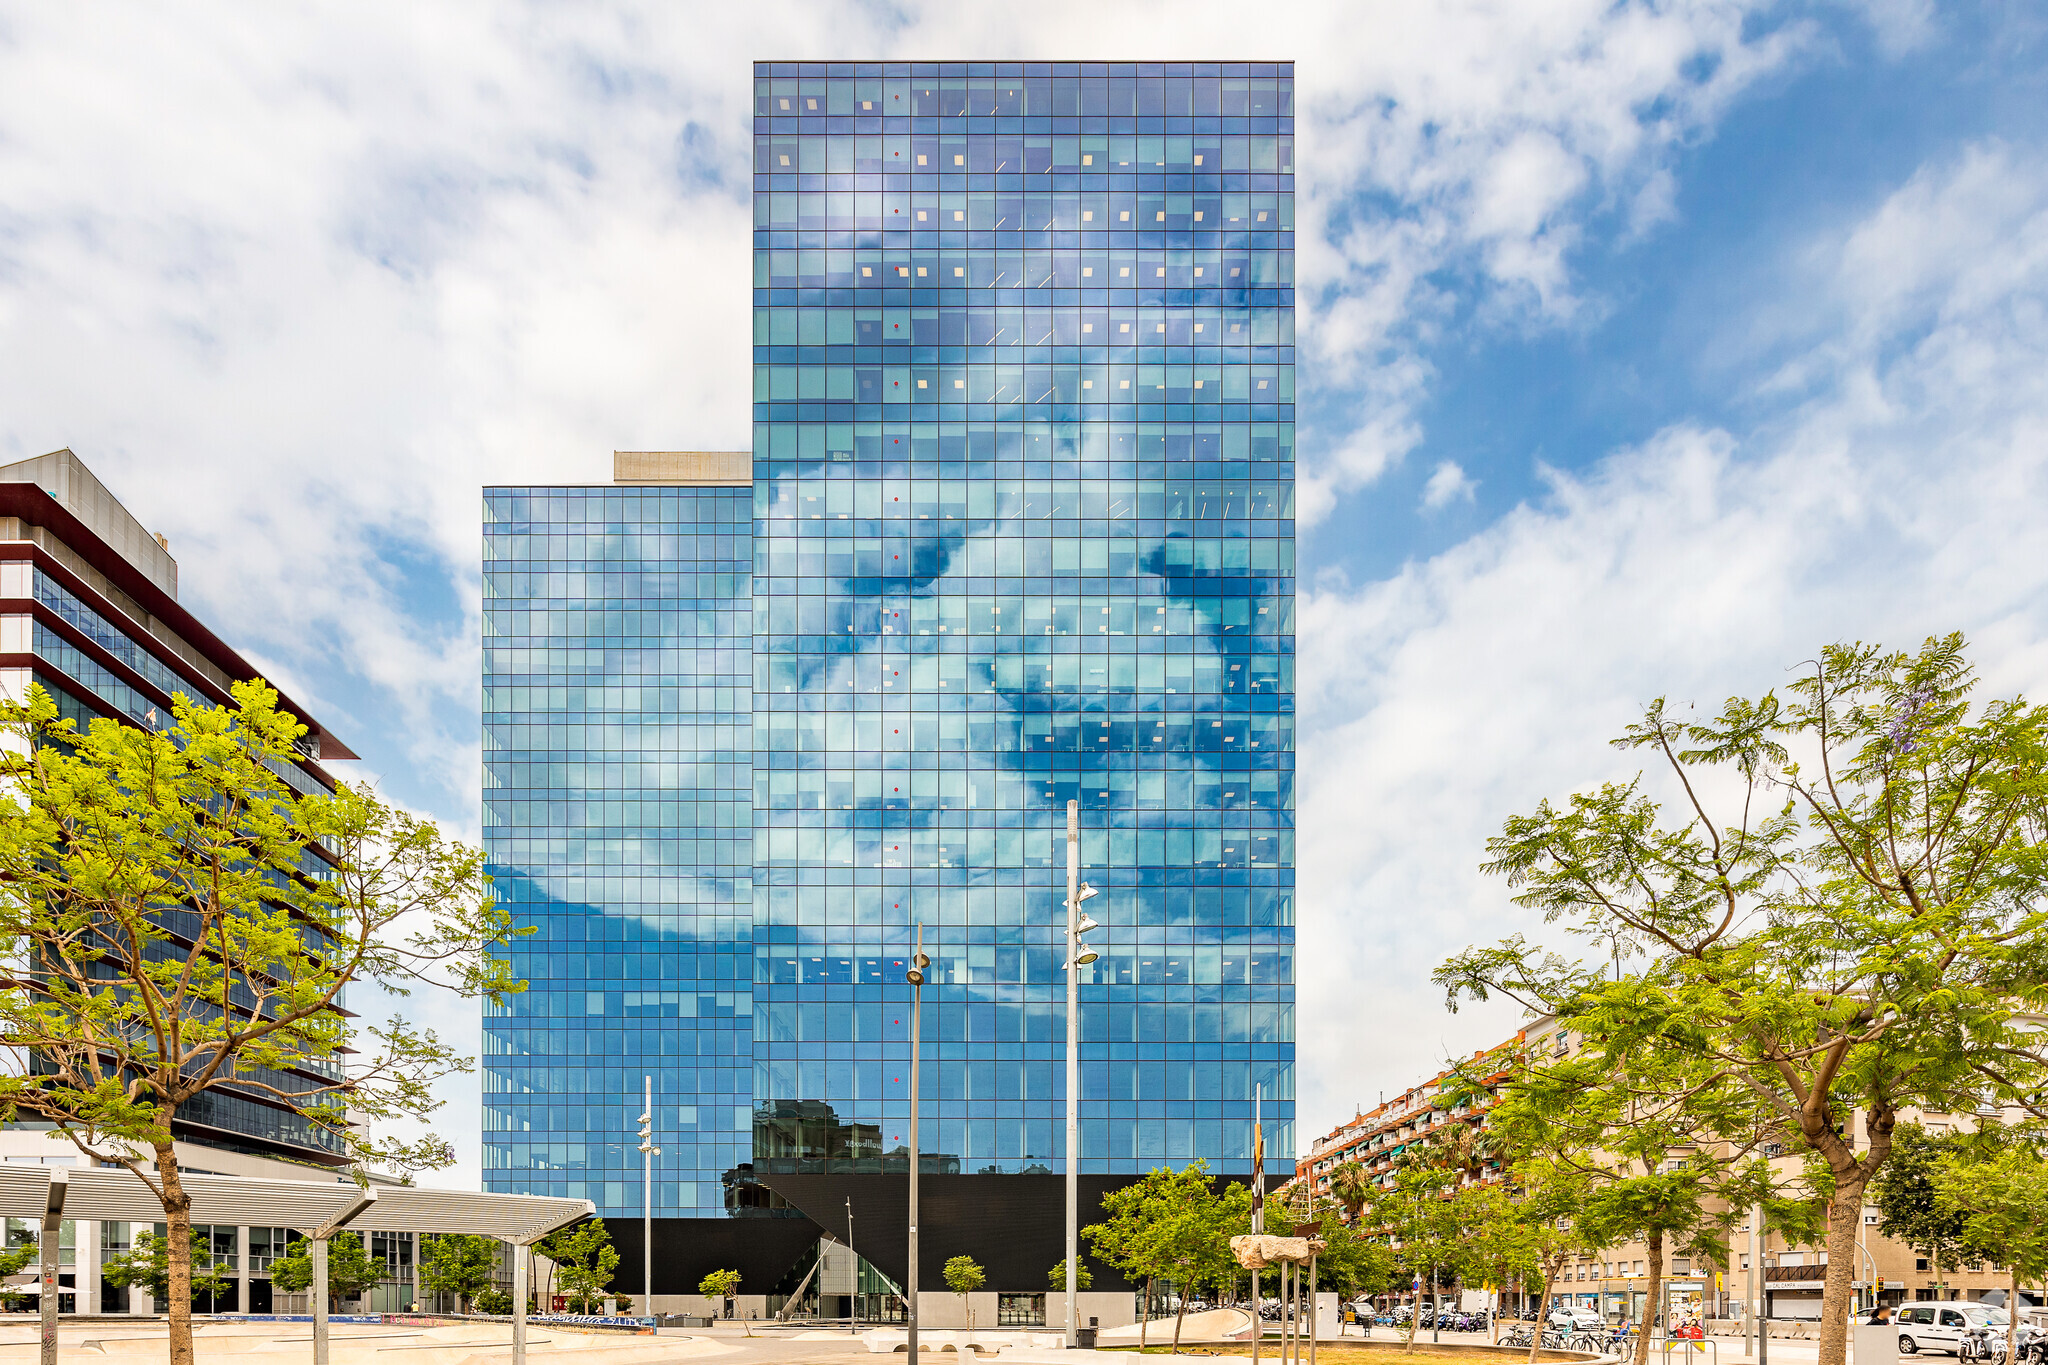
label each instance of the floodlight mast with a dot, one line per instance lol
(1079, 955)
(648, 1151)
(919, 963)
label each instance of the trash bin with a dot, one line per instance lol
(1084, 1337)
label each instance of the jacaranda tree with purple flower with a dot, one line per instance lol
(1837, 903)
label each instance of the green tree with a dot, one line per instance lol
(1352, 1263)
(350, 1269)
(1498, 1245)
(1838, 911)
(719, 1284)
(147, 1262)
(584, 1259)
(1123, 1239)
(462, 1264)
(1057, 1276)
(1171, 1225)
(1909, 1203)
(2000, 1191)
(1412, 1211)
(193, 921)
(1193, 1232)
(1549, 1201)
(494, 1302)
(13, 1262)
(1351, 1186)
(964, 1277)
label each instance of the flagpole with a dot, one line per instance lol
(1258, 1210)
(1258, 1161)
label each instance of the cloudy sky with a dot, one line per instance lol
(1645, 348)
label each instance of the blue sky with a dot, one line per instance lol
(1645, 348)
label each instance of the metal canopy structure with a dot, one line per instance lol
(49, 1194)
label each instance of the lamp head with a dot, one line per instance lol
(1085, 956)
(1086, 892)
(1086, 924)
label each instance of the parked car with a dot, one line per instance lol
(1942, 1326)
(1576, 1318)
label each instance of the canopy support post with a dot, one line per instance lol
(520, 1251)
(46, 1253)
(319, 1301)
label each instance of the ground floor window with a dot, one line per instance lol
(1020, 1310)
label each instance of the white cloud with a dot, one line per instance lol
(1901, 498)
(1448, 483)
(297, 282)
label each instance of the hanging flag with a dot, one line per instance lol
(1258, 1175)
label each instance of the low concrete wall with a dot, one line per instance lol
(943, 1311)
(744, 1306)
(1109, 1310)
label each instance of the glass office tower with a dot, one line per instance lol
(1023, 445)
(1020, 531)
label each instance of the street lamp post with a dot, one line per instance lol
(915, 976)
(1757, 1292)
(1078, 956)
(648, 1151)
(853, 1299)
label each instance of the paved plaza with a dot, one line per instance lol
(291, 1343)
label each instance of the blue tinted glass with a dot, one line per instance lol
(1021, 532)
(617, 663)
(1024, 534)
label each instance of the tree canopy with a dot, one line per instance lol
(147, 1263)
(462, 1264)
(1831, 904)
(584, 1260)
(1056, 1278)
(1998, 1189)
(1909, 1203)
(191, 906)
(1172, 1225)
(350, 1269)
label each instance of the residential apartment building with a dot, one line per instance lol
(1375, 1139)
(1016, 529)
(1614, 1282)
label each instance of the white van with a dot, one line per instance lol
(1940, 1326)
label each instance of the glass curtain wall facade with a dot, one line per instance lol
(1024, 534)
(1020, 532)
(617, 817)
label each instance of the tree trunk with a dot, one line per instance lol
(178, 1232)
(1182, 1316)
(1542, 1313)
(1845, 1211)
(1144, 1314)
(1655, 1242)
(2012, 1320)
